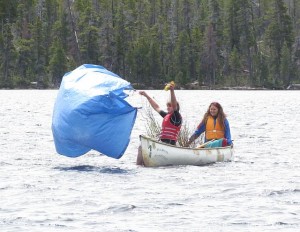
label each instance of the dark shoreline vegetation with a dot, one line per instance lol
(222, 44)
(188, 86)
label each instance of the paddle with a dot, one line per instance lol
(204, 144)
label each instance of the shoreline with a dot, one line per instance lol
(179, 87)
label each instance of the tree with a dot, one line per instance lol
(152, 41)
(25, 61)
(182, 54)
(39, 50)
(235, 64)
(210, 57)
(88, 33)
(75, 46)
(7, 57)
(241, 33)
(58, 62)
(278, 33)
(8, 10)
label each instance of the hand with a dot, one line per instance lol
(186, 144)
(171, 86)
(143, 93)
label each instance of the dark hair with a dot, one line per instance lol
(178, 106)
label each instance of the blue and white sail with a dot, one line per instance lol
(90, 113)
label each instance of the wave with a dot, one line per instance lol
(282, 192)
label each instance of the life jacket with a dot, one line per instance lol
(169, 131)
(213, 131)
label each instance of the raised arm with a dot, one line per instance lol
(173, 97)
(153, 103)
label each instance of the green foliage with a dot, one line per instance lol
(150, 42)
(279, 36)
(235, 65)
(7, 57)
(58, 63)
(25, 59)
(182, 57)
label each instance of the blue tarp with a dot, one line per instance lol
(90, 113)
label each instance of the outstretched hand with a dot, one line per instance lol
(170, 85)
(143, 93)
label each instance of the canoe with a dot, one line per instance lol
(156, 153)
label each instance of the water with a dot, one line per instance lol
(259, 191)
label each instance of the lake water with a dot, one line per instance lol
(258, 191)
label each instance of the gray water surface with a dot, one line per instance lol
(259, 191)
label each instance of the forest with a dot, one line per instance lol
(197, 43)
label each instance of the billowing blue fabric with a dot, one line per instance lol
(90, 113)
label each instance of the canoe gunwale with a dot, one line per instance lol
(187, 148)
(156, 153)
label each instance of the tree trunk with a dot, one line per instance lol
(75, 38)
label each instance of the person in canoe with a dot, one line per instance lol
(215, 125)
(172, 119)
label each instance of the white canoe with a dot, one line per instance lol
(156, 153)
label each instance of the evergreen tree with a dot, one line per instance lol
(278, 33)
(39, 50)
(182, 54)
(151, 42)
(8, 11)
(210, 58)
(286, 67)
(235, 65)
(88, 32)
(196, 51)
(7, 57)
(241, 33)
(58, 62)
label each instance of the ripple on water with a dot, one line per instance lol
(259, 191)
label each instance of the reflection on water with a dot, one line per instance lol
(259, 191)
